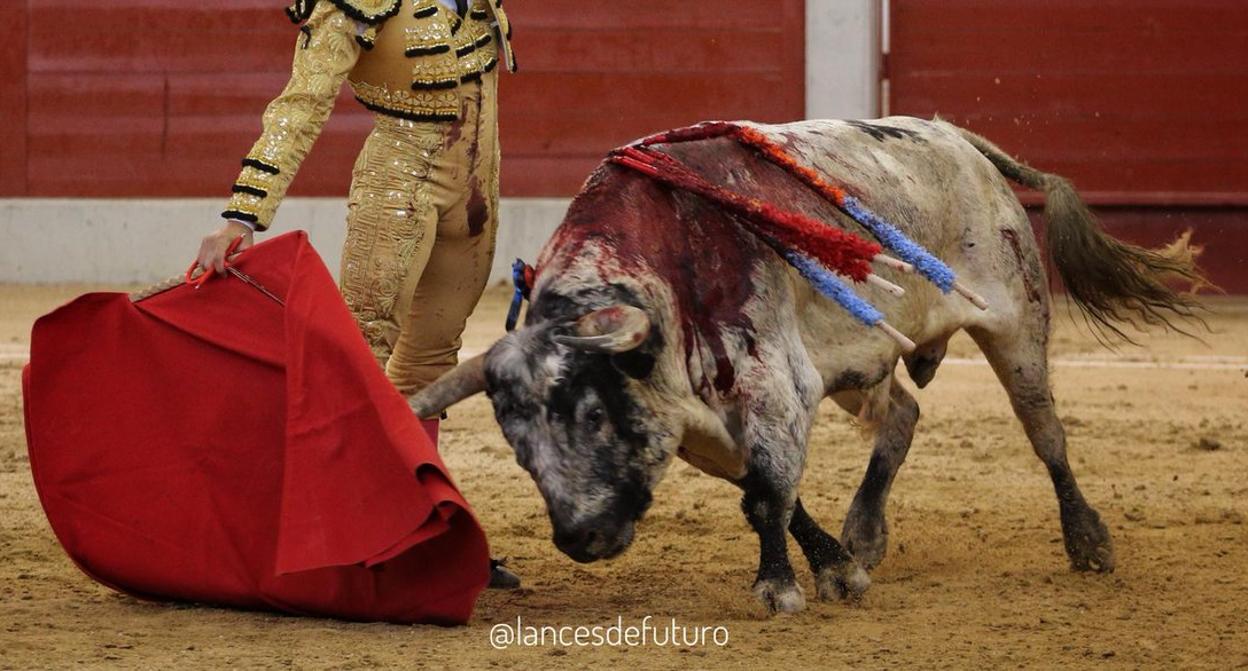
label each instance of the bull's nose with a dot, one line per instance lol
(577, 543)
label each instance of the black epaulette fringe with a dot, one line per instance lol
(261, 166)
(240, 215)
(251, 190)
(434, 85)
(299, 10)
(428, 50)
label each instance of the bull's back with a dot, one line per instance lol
(932, 184)
(918, 174)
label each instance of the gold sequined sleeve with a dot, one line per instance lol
(325, 52)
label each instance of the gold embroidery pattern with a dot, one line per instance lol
(482, 59)
(389, 207)
(504, 29)
(367, 39)
(254, 179)
(293, 120)
(432, 32)
(428, 43)
(445, 51)
(411, 105)
(475, 43)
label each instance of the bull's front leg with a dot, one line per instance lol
(777, 406)
(768, 506)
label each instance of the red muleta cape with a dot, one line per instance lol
(211, 445)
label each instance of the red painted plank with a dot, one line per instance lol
(83, 124)
(1111, 140)
(667, 49)
(225, 93)
(1186, 174)
(793, 59)
(199, 101)
(13, 100)
(640, 15)
(1190, 200)
(225, 137)
(117, 177)
(543, 175)
(1049, 52)
(86, 96)
(549, 153)
(773, 97)
(585, 136)
(1180, 97)
(206, 126)
(159, 36)
(958, 19)
(134, 177)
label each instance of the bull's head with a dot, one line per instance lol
(568, 395)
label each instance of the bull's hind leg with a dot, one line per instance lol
(836, 572)
(1021, 363)
(865, 532)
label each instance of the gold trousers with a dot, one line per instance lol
(421, 223)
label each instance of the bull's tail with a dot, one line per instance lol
(1111, 281)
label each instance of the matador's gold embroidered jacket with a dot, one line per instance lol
(404, 58)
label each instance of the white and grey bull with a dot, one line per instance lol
(660, 328)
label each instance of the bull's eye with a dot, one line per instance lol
(594, 417)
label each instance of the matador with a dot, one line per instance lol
(422, 211)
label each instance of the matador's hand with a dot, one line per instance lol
(212, 249)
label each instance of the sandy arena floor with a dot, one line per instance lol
(976, 576)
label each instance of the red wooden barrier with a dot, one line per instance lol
(148, 98)
(13, 100)
(1120, 95)
(1139, 102)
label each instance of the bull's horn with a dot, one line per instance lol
(466, 379)
(616, 329)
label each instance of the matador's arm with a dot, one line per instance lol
(324, 54)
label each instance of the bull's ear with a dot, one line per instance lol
(615, 329)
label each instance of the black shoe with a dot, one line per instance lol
(500, 577)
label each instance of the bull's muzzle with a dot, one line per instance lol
(594, 539)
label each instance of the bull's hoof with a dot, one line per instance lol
(1088, 543)
(780, 597)
(501, 578)
(847, 581)
(865, 536)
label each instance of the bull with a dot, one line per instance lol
(659, 329)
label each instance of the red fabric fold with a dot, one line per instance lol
(212, 445)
